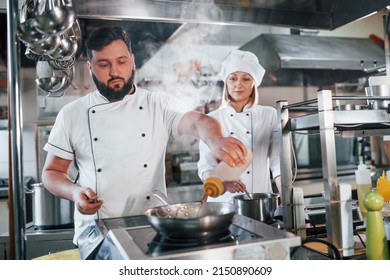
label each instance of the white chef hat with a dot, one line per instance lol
(242, 61)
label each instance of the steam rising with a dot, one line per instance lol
(188, 63)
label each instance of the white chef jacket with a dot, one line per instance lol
(257, 128)
(118, 147)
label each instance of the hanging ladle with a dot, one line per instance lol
(53, 81)
(46, 47)
(27, 31)
(57, 19)
(66, 49)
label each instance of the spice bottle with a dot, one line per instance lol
(383, 185)
(376, 243)
(213, 185)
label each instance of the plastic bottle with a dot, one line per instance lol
(213, 185)
(364, 185)
(376, 243)
(383, 185)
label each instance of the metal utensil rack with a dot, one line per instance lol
(330, 123)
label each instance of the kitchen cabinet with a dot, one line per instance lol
(3, 84)
(40, 243)
(344, 123)
(3, 213)
(3, 81)
(3, 100)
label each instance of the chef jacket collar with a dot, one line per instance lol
(130, 95)
(231, 110)
(124, 98)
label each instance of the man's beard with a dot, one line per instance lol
(114, 94)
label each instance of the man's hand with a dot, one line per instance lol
(86, 201)
(228, 149)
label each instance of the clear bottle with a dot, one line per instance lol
(363, 185)
(213, 185)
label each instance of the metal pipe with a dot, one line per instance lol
(13, 68)
(360, 97)
(284, 136)
(306, 102)
(386, 26)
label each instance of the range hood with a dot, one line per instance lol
(315, 60)
(290, 68)
(308, 14)
(324, 14)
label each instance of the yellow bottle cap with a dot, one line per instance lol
(213, 187)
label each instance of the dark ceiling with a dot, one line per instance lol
(152, 22)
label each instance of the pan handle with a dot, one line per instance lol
(164, 199)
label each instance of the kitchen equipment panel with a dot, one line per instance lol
(315, 214)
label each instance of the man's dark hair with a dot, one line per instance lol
(104, 36)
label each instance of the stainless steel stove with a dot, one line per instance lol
(134, 238)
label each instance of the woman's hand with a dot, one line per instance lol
(234, 186)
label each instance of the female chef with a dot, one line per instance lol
(255, 125)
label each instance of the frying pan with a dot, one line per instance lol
(185, 220)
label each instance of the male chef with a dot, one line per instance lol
(117, 137)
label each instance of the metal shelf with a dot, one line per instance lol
(330, 123)
(347, 120)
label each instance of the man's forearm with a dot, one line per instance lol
(58, 184)
(200, 126)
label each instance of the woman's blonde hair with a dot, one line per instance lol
(254, 97)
